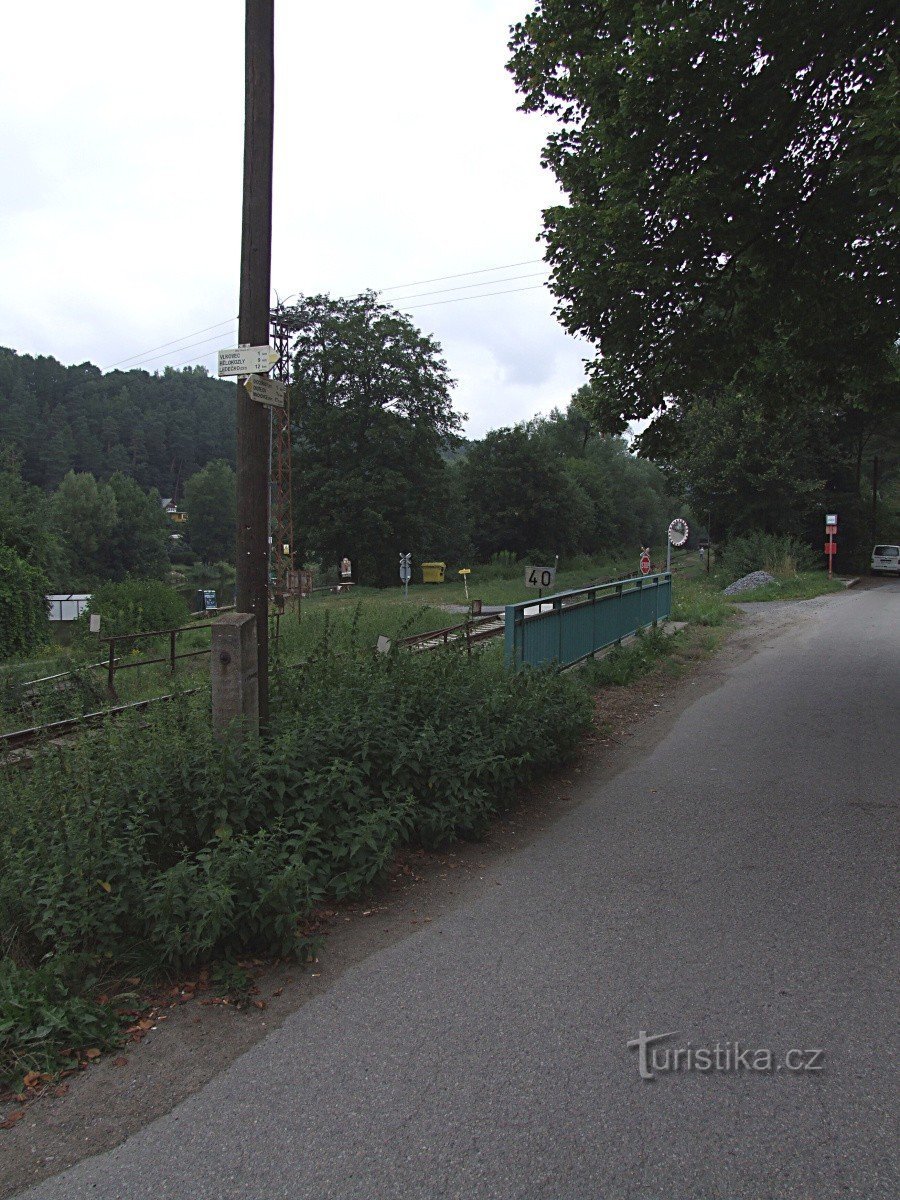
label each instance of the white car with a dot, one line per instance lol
(886, 558)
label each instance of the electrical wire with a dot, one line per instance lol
(458, 299)
(144, 355)
(465, 286)
(407, 308)
(205, 341)
(462, 275)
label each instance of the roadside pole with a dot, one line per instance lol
(831, 524)
(252, 558)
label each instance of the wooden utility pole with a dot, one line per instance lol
(253, 329)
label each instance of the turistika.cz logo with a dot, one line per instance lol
(656, 1059)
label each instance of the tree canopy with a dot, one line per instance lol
(372, 411)
(729, 167)
(211, 503)
(158, 429)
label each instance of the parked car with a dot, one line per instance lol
(886, 558)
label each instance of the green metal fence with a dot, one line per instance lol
(570, 626)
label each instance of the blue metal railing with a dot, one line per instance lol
(570, 626)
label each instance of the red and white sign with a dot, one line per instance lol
(831, 547)
(645, 564)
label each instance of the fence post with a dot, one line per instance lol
(172, 650)
(234, 674)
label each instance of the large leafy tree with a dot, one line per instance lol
(372, 412)
(525, 501)
(139, 541)
(211, 503)
(730, 172)
(84, 516)
(553, 485)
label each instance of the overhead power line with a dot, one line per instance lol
(462, 275)
(198, 358)
(144, 355)
(466, 286)
(483, 296)
(203, 342)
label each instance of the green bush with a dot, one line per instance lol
(159, 845)
(41, 1020)
(780, 555)
(135, 606)
(23, 605)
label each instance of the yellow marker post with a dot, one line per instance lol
(465, 572)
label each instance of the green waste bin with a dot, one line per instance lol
(433, 572)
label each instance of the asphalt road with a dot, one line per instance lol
(733, 884)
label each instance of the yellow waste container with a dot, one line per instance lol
(433, 572)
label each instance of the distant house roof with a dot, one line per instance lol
(167, 501)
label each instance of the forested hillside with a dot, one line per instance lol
(158, 429)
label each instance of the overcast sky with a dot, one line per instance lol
(400, 156)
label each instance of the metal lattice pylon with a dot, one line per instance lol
(282, 501)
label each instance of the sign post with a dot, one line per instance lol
(247, 360)
(645, 562)
(405, 573)
(264, 390)
(831, 524)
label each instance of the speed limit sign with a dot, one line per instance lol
(540, 577)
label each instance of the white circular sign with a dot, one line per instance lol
(678, 531)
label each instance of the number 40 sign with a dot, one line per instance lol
(540, 577)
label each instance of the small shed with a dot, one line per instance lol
(67, 607)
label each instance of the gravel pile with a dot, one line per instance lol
(754, 580)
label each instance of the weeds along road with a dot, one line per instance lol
(734, 883)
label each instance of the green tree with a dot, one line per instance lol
(372, 412)
(23, 603)
(211, 505)
(25, 524)
(729, 168)
(525, 500)
(84, 515)
(138, 543)
(158, 429)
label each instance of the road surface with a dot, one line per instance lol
(733, 884)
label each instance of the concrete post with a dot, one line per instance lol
(233, 665)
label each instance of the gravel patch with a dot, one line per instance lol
(754, 580)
